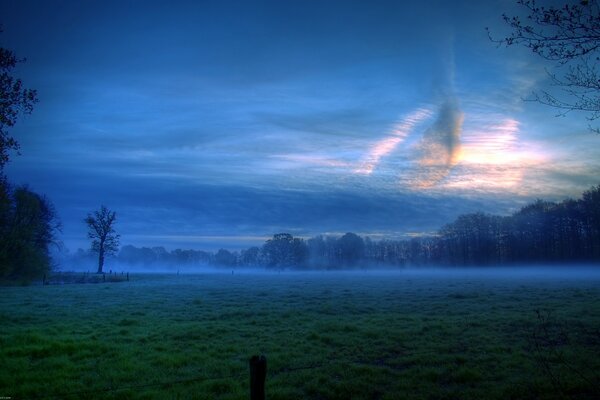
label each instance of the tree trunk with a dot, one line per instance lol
(100, 260)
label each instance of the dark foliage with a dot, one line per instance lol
(28, 221)
(283, 251)
(225, 258)
(14, 100)
(105, 240)
(541, 232)
(28, 225)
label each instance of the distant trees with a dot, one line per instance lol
(251, 257)
(151, 257)
(473, 239)
(347, 251)
(319, 253)
(28, 227)
(351, 249)
(225, 258)
(540, 232)
(284, 250)
(105, 240)
(588, 213)
(568, 35)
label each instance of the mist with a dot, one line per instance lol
(299, 200)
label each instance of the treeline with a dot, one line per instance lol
(158, 258)
(28, 228)
(147, 257)
(541, 232)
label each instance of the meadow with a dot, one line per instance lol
(361, 335)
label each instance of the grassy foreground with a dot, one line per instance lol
(325, 335)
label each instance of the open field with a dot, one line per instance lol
(326, 336)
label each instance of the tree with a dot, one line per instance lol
(352, 249)
(317, 252)
(28, 226)
(250, 257)
(225, 258)
(569, 36)
(28, 221)
(105, 241)
(591, 209)
(14, 100)
(284, 250)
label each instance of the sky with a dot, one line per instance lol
(208, 124)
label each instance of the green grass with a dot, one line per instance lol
(326, 336)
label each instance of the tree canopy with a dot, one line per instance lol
(28, 221)
(568, 36)
(105, 240)
(28, 227)
(15, 99)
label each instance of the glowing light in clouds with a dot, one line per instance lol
(494, 157)
(387, 145)
(493, 144)
(473, 152)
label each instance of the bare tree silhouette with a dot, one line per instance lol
(568, 35)
(105, 240)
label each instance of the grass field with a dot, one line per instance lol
(325, 335)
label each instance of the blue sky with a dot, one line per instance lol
(219, 123)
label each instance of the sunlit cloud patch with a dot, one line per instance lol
(494, 156)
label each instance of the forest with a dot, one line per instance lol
(541, 232)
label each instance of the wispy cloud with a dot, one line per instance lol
(293, 160)
(397, 135)
(301, 136)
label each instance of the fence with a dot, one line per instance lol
(63, 278)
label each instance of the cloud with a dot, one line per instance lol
(385, 146)
(287, 120)
(158, 210)
(306, 160)
(439, 149)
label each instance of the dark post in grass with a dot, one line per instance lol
(258, 373)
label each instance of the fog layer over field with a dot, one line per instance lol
(518, 272)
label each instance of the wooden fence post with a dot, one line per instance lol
(258, 373)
